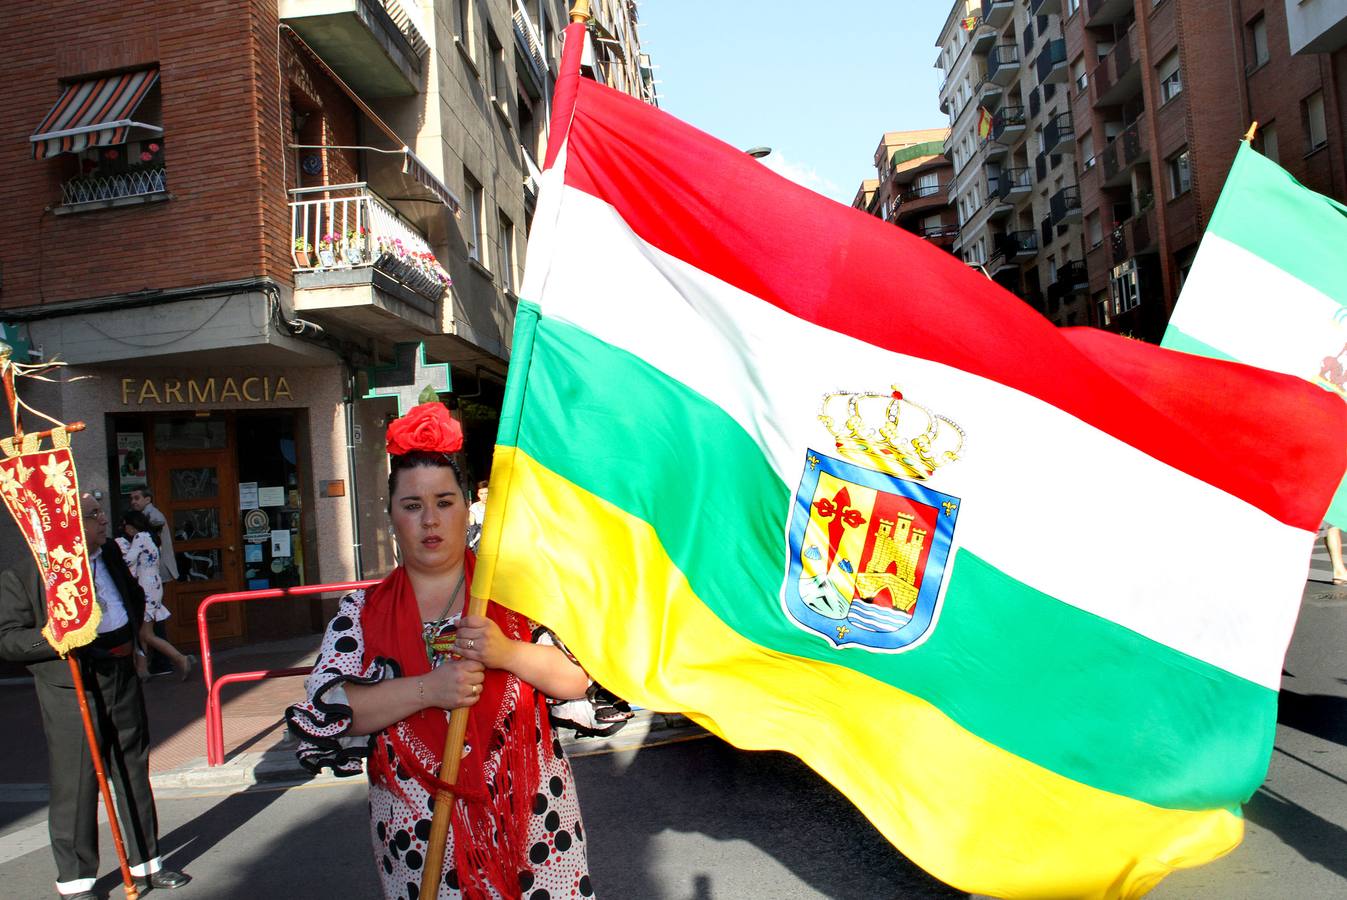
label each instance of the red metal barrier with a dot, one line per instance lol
(214, 717)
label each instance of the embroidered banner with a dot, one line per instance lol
(42, 494)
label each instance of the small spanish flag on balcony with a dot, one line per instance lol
(984, 123)
(971, 22)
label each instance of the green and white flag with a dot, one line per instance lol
(1269, 284)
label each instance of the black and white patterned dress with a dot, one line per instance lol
(557, 868)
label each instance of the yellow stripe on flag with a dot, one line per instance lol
(963, 808)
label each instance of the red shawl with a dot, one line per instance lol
(491, 809)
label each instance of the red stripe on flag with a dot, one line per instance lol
(710, 205)
(568, 85)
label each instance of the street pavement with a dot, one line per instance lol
(672, 814)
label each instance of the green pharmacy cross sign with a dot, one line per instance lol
(410, 378)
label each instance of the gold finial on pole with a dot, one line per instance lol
(580, 11)
(1248, 136)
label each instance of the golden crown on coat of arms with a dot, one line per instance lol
(890, 433)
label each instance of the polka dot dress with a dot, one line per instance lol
(557, 867)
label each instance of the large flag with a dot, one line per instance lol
(778, 465)
(1269, 284)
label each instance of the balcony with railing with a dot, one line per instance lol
(1060, 135)
(922, 198)
(983, 38)
(1017, 246)
(374, 45)
(530, 47)
(357, 259)
(942, 236)
(1121, 154)
(1064, 206)
(997, 12)
(1105, 12)
(1071, 279)
(1008, 124)
(1003, 64)
(1015, 183)
(1132, 237)
(1050, 64)
(989, 94)
(115, 189)
(1117, 76)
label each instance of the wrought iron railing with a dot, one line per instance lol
(349, 226)
(1012, 180)
(1002, 56)
(93, 188)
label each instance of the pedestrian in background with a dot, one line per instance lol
(115, 700)
(142, 500)
(1333, 541)
(476, 516)
(142, 558)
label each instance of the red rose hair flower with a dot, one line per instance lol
(425, 427)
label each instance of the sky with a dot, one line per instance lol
(819, 83)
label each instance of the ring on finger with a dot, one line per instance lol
(467, 644)
(476, 689)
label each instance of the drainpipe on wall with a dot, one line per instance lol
(354, 492)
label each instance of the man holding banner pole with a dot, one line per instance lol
(115, 697)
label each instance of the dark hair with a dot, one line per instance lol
(143, 491)
(418, 459)
(140, 522)
(483, 483)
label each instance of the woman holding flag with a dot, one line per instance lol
(398, 657)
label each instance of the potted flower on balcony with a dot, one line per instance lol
(357, 246)
(327, 251)
(302, 253)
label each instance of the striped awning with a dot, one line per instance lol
(94, 113)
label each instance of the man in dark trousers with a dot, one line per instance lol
(115, 702)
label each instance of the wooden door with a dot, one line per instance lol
(197, 491)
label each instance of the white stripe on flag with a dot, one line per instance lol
(1229, 288)
(1048, 500)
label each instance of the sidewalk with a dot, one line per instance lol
(257, 746)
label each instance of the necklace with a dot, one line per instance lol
(431, 630)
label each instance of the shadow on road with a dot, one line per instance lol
(771, 801)
(185, 844)
(1322, 715)
(1313, 837)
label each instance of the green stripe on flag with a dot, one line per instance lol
(1065, 689)
(1177, 340)
(1270, 214)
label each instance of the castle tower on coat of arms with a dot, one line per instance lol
(899, 545)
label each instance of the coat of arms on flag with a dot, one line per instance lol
(868, 547)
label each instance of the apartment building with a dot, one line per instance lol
(241, 217)
(1161, 94)
(912, 187)
(1015, 191)
(613, 53)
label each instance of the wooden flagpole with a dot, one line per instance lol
(128, 881)
(1248, 137)
(458, 719)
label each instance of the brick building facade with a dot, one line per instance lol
(913, 184)
(234, 213)
(1162, 92)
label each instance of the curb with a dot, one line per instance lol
(278, 767)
